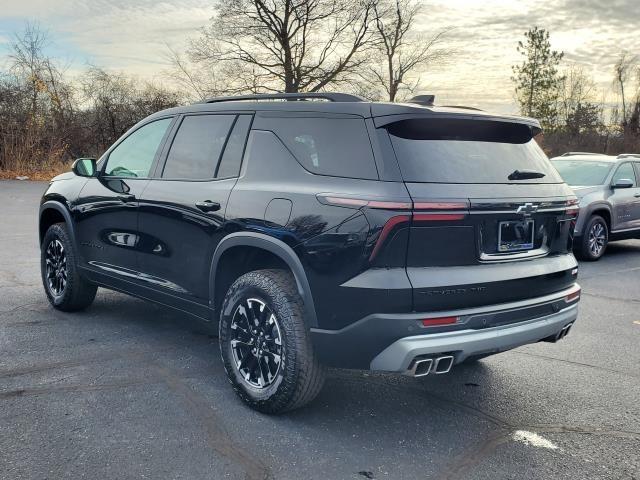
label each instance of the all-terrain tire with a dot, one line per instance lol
(76, 293)
(300, 376)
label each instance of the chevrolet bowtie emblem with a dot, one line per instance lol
(527, 209)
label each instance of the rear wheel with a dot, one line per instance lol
(265, 343)
(595, 239)
(66, 289)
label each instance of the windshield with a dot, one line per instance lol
(581, 172)
(468, 151)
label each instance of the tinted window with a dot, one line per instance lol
(625, 171)
(232, 156)
(197, 146)
(134, 156)
(329, 146)
(467, 151)
(583, 173)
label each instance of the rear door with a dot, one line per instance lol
(490, 219)
(625, 201)
(182, 210)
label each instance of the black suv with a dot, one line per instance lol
(324, 230)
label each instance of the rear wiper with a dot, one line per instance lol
(525, 175)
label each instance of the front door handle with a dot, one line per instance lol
(637, 195)
(126, 197)
(208, 206)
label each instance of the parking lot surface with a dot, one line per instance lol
(128, 389)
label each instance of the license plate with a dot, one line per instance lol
(515, 235)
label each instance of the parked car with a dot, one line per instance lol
(609, 194)
(323, 230)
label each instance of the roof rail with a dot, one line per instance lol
(568, 154)
(426, 100)
(629, 155)
(332, 97)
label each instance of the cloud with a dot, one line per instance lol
(132, 35)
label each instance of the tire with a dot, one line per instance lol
(594, 240)
(261, 380)
(66, 289)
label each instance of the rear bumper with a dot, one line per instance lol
(391, 341)
(398, 356)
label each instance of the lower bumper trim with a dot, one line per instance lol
(464, 343)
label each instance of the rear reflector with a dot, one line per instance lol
(572, 297)
(430, 322)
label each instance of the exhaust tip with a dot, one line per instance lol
(420, 367)
(443, 364)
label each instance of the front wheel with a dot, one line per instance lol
(265, 345)
(595, 239)
(66, 289)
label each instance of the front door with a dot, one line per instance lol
(624, 200)
(182, 211)
(107, 208)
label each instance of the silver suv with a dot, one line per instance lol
(609, 193)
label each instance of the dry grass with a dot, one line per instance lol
(46, 173)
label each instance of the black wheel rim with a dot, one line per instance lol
(256, 343)
(597, 239)
(56, 267)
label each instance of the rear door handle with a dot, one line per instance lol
(208, 206)
(126, 197)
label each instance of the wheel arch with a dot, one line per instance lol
(604, 211)
(276, 250)
(52, 212)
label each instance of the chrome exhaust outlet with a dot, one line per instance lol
(443, 364)
(420, 367)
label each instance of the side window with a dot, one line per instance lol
(339, 147)
(232, 157)
(197, 146)
(625, 171)
(134, 156)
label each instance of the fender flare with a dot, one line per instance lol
(278, 248)
(592, 207)
(60, 207)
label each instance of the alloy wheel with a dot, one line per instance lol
(597, 239)
(256, 343)
(56, 267)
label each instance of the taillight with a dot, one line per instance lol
(352, 202)
(443, 211)
(572, 208)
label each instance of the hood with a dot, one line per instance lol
(583, 191)
(63, 176)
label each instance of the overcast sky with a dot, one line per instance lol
(131, 35)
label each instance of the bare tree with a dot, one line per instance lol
(622, 71)
(285, 45)
(401, 52)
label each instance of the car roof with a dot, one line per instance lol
(384, 111)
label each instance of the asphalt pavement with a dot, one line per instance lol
(128, 389)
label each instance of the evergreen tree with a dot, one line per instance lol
(537, 78)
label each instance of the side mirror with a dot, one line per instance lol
(85, 167)
(623, 183)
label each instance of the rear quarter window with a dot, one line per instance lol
(338, 147)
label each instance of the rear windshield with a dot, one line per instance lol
(581, 173)
(467, 151)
